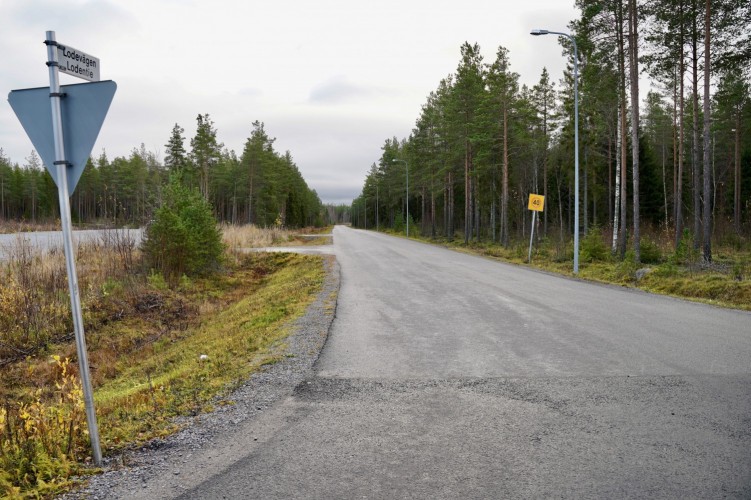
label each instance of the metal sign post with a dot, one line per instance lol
(67, 227)
(63, 127)
(536, 204)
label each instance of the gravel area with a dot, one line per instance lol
(164, 467)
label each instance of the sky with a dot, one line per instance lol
(330, 79)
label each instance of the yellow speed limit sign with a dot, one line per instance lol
(536, 202)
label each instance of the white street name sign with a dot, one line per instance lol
(76, 63)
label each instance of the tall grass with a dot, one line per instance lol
(34, 297)
(251, 236)
(12, 226)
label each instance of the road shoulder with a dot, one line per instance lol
(166, 468)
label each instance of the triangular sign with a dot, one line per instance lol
(83, 109)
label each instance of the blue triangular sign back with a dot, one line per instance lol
(83, 110)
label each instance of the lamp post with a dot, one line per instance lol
(406, 166)
(576, 140)
(377, 214)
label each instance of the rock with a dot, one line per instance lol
(641, 273)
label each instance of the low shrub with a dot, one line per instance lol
(650, 252)
(184, 237)
(42, 441)
(592, 247)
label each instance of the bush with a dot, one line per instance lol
(399, 223)
(184, 237)
(625, 271)
(43, 440)
(649, 252)
(685, 253)
(593, 247)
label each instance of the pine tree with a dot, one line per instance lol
(176, 158)
(502, 93)
(466, 97)
(205, 151)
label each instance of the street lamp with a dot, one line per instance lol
(377, 207)
(406, 166)
(576, 140)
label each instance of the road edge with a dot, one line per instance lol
(166, 468)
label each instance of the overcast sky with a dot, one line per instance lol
(331, 79)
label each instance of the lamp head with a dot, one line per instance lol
(539, 32)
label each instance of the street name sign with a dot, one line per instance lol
(77, 63)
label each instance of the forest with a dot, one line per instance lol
(675, 162)
(261, 186)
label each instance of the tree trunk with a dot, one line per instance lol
(634, 67)
(610, 175)
(504, 186)
(622, 238)
(560, 208)
(467, 196)
(737, 186)
(617, 204)
(681, 135)
(707, 208)
(695, 123)
(675, 144)
(432, 211)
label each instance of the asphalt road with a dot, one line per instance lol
(44, 241)
(451, 376)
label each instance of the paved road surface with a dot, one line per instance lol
(45, 240)
(452, 376)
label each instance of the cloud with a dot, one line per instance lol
(337, 90)
(89, 19)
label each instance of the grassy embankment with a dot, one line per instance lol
(155, 352)
(726, 282)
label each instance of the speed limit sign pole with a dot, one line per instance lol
(536, 204)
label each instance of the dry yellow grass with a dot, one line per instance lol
(34, 301)
(251, 236)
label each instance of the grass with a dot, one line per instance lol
(183, 372)
(250, 236)
(12, 226)
(155, 352)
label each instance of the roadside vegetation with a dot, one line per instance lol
(663, 269)
(164, 338)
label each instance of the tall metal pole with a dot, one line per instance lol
(538, 32)
(67, 228)
(406, 166)
(531, 237)
(576, 155)
(377, 225)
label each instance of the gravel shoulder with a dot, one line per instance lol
(209, 443)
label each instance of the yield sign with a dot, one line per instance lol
(83, 109)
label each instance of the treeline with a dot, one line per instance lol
(261, 186)
(679, 160)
